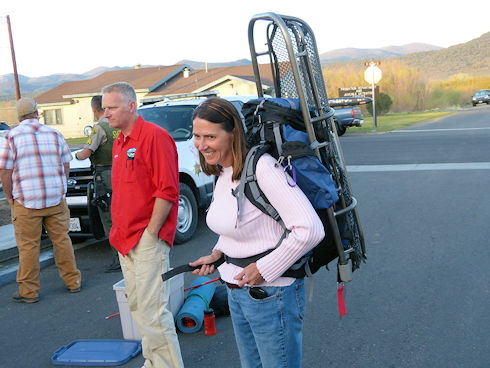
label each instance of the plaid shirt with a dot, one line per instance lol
(35, 153)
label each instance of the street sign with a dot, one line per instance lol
(358, 92)
(373, 74)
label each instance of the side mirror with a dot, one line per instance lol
(88, 130)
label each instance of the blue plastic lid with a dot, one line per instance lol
(96, 352)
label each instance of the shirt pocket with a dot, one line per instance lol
(129, 172)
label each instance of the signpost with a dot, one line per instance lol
(372, 75)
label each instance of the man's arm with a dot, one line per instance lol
(161, 209)
(67, 170)
(97, 138)
(6, 176)
(83, 154)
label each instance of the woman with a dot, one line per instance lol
(266, 309)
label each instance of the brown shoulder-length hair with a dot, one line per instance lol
(220, 111)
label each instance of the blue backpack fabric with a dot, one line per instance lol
(311, 176)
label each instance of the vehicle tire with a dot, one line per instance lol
(95, 224)
(187, 217)
(340, 129)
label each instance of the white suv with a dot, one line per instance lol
(196, 188)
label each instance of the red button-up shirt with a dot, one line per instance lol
(144, 167)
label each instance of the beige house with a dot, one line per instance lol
(67, 106)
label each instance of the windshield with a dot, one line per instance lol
(177, 120)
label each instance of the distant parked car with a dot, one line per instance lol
(482, 96)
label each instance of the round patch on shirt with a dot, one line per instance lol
(131, 152)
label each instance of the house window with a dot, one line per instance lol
(53, 117)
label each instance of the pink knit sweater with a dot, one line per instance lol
(254, 232)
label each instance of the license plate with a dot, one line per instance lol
(75, 224)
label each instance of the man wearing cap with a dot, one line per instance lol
(34, 168)
(145, 183)
(99, 149)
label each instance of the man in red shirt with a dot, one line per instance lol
(145, 184)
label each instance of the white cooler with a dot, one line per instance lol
(175, 301)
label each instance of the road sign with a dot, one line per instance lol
(358, 92)
(373, 74)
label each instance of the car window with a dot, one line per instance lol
(177, 120)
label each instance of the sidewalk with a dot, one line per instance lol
(7, 242)
(9, 255)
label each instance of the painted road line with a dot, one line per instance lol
(420, 167)
(436, 130)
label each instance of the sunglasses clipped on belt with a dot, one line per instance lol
(257, 293)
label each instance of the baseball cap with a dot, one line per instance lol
(25, 106)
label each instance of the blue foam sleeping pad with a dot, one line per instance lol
(197, 301)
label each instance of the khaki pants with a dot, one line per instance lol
(28, 227)
(148, 298)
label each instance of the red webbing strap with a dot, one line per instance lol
(341, 300)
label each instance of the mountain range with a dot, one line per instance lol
(36, 85)
(352, 54)
(473, 56)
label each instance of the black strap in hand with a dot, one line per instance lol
(186, 268)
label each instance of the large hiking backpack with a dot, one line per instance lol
(276, 126)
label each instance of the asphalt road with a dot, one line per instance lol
(421, 300)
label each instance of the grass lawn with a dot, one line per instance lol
(80, 140)
(386, 123)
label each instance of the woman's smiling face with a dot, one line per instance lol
(213, 142)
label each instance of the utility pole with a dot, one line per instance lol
(16, 76)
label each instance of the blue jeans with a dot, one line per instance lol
(269, 332)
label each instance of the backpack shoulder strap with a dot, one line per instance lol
(250, 188)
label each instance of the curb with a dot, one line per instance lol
(8, 271)
(11, 253)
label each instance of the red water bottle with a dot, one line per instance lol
(209, 326)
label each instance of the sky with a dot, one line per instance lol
(59, 36)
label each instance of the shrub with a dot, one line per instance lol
(442, 98)
(383, 104)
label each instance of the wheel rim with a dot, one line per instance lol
(184, 218)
